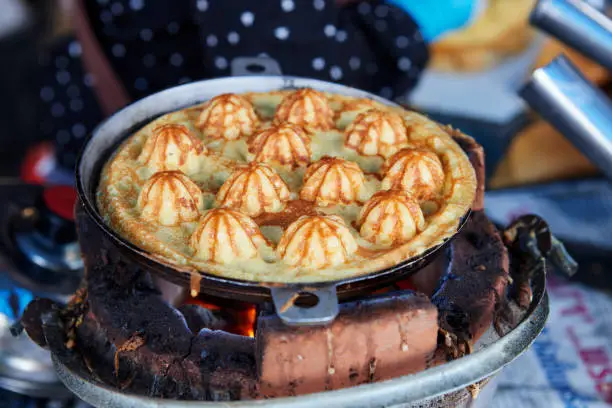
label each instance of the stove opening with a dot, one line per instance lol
(219, 314)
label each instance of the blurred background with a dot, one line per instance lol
(67, 64)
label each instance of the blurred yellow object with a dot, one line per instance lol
(540, 154)
(501, 31)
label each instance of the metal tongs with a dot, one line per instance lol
(560, 93)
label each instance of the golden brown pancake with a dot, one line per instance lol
(325, 187)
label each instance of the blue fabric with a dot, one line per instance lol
(436, 17)
(13, 300)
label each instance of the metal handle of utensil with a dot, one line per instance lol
(577, 24)
(561, 259)
(322, 312)
(241, 66)
(575, 107)
(533, 236)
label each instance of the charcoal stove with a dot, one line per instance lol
(453, 383)
(127, 339)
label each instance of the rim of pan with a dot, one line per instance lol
(121, 124)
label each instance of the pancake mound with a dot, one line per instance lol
(254, 189)
(316, 242)
(417, 172)
(390, 218)
(376, 133)
(227, 116)
(332, 180)
(169, 198)
(285, 144)
(308, 108)
(225, 235)
(172, 147)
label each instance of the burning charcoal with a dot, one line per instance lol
(370, 340)
(131, 344)
(198, 318)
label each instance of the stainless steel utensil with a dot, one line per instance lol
(577, 24)
(576, 108)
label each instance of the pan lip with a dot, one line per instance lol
(287, 82)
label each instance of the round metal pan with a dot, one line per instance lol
(108, 135)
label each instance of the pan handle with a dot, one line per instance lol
(305, 306)
(241, 66)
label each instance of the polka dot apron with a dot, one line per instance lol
(152, 45)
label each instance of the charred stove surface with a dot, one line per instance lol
(467, 283)
(475, 281)
(169, 359)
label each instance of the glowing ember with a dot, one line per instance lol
(201, 303)
(245, 324)
(405, 284)
(252, 313)
(240, 316)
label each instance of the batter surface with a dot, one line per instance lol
(287, 186)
